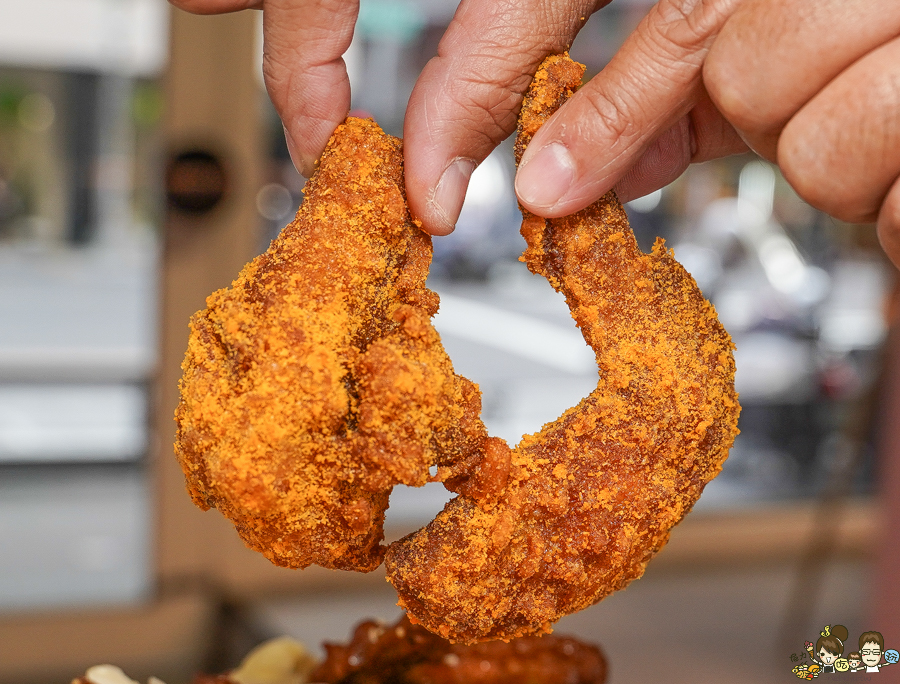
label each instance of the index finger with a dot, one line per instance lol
(305, 74)
(466, 100)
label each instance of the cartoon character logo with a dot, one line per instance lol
(826, 655)
(871, 651)
(829, 648)
(806, 671)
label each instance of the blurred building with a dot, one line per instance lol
(79, 255)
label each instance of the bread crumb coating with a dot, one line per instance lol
(316, 382)
(586, 502)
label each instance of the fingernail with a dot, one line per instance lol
(297, 159)
(623, 192)
(447, 200)
(543, 180)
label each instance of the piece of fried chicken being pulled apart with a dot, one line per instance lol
(577, 510)
(316, 382)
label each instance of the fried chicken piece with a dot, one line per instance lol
(409, 654)
(316, 382)
(577, 510)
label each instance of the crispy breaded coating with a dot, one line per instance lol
(577, 510)
(408, 654)
(316, 382)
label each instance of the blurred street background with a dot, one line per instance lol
(133, 182)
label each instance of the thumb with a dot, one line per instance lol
(597, 136)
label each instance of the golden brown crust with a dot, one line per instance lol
(591, 497)
(316, 382)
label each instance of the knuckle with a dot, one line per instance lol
(510, 31)
(276, 74)
(612, 113)
(839, 151)
(690, 25)
(737, 99)
(487, 57)
(551, 29)
(484, 92)
(486, 111)
(819, 181)
(738, 70)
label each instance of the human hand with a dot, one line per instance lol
(812, 86)
(467, 98)
(464, 103)
(303, 66)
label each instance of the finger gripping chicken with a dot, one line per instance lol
(577, 510)
(316, 382)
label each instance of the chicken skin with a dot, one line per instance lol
(316, 382)
(577, 510)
